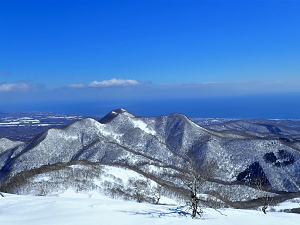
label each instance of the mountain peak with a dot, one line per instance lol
(124, 112)
(110, 116)
(120, 110)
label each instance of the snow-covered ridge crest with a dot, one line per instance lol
(123, 112)
(126, 113)
(115, 113)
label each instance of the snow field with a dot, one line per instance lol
(75, 209)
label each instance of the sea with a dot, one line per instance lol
(256, 106)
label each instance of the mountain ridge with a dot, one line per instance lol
(142, 142)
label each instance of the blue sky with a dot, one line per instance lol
(77, 51)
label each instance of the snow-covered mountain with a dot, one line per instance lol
(258, 127)
(155, 146)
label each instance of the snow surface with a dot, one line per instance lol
(77, 209)
(143, 126)
(41, 178)
(123, 173)
(128, 114)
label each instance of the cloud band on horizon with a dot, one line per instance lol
(106, 83)
(6, 87)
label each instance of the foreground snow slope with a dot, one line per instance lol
(78, 210)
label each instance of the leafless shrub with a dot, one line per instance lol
(194, 177)
(293, 210)
(266, 200)
(118, 192)
(42, 192)
(155, 191)
(139, 189)
(213, 202)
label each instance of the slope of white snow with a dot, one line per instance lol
(122, 173)
(143, 126)
(6, 144)
(76, 210)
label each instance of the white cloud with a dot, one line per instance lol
(77, 86)
(113, 82)
(13, 87)
(107, 83)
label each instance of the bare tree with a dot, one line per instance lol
(194, 177)
(155, 191)
(266, 200)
